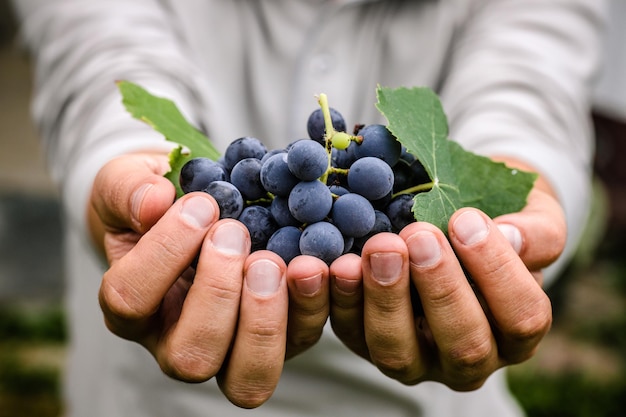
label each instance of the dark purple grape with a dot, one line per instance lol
(371, 177)
(353, 215)
(380, 143)
(228, 198)
(400, 211)
(285, 242)
(260, 224)
(307, 160)
(246, 176)
(198, 173)
(310, 201)
(315, 124)
(245, 147)
(322, 240)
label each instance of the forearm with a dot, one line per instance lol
(81, 48)
(519, 88)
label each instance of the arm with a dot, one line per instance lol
(517, 90)
(226, 318)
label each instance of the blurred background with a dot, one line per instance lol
(579, 370)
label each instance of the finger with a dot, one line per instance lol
(346, 308)
(196, 346)
(538, 232)
(460, 331)
(258, 352)
(307, 281)
(130, 192)
(134, 286)
(388, 314)
(520, 309)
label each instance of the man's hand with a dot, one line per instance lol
(228, 315)
(480, 307)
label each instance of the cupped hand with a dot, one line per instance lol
(480, 303)
(228, 316)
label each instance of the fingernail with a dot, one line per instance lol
(310, 285)
(347, 286)
(198, 212)
(424, 249)
(263, 277)
(137, 199)
(470, 227)
(386, 267)
(230, 238)
(513, 235)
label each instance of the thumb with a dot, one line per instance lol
(129, 194)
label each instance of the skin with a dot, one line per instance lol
(243, 314)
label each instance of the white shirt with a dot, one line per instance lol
(514, 77)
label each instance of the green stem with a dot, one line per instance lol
(329, 132)
(416, 189)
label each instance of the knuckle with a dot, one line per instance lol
(122, 302)
(532, 323)
(397, 366)
(187, 363)
(471, 359)
(265, 332)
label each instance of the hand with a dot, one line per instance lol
(465, 329)
(228, 317)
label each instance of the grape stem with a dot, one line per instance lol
(417, 189)
(322, 99)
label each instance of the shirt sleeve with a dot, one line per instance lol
(81, 47)
(519, 85)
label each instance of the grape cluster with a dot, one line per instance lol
(322, 196)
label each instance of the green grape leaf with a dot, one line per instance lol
(460, 178)
(164, 117)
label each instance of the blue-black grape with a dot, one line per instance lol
(316, 127)
(246, 176)
(285, 242)
(228, 198)
(276, 176)
(380, 143)
(198, 173)
(322, 240)
(400, 212)
(310, 201)
(244, 147)
(280, 211)
(371, 177)
(260, 224)
(353, 215)
(298, 200)
(307, 160)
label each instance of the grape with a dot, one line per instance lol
(322, 240)
(316, 127)
(371, 177)
(399, 211)
(199, 172)
(245, 175)
(307, 160)
(260, 223)
(280, 211)
(228, 198)
(245, 147)
(381, 224)
(380, 143)
(285, 242)
(276, 176)
(353, 215)
(310, 201)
